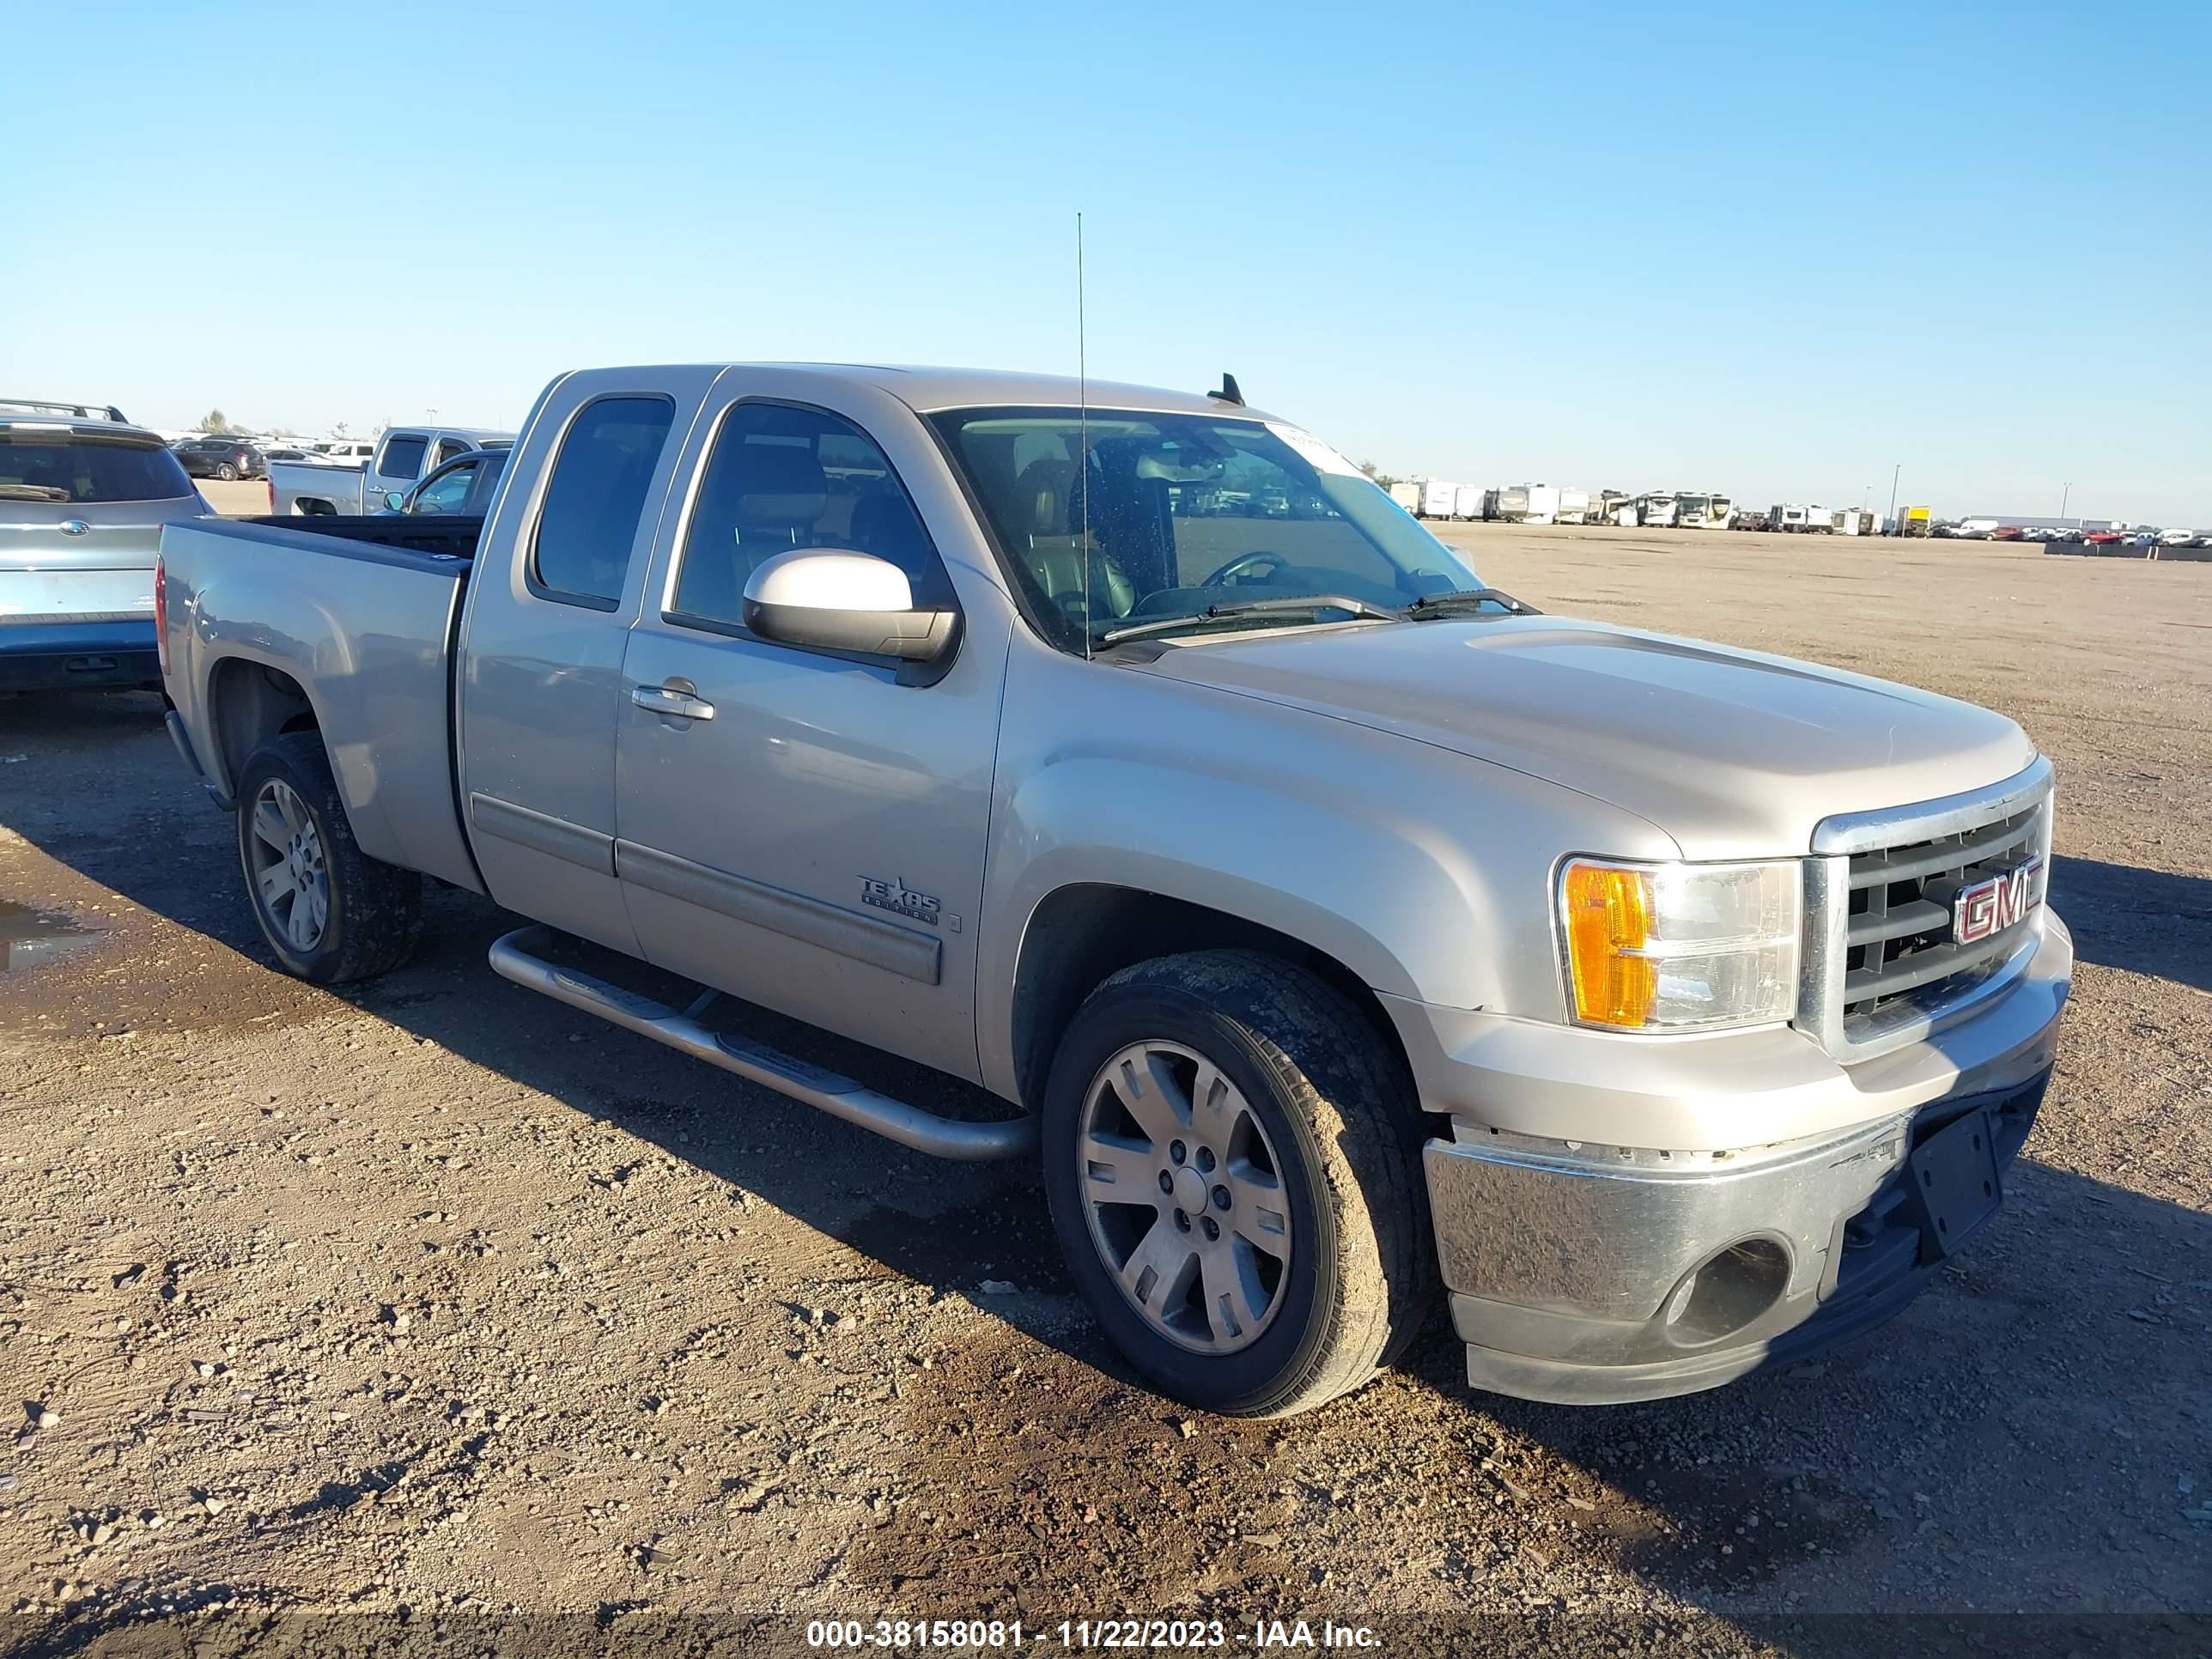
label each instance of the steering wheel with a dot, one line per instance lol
(1245, 563)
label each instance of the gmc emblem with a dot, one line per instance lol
(1990, 907)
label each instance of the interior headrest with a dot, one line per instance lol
(784, 485)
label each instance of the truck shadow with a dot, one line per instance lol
(2144, 921)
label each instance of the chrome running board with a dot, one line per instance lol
(513, 958)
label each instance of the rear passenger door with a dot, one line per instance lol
(553, 593)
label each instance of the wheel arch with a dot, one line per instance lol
(1082, 934)
(248, 702)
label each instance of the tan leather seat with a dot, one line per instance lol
(1042, 497)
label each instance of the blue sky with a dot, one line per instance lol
(1769, 249)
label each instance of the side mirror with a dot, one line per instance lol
(839, 601)
(395, 500)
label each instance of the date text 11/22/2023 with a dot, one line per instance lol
(1084, 1633)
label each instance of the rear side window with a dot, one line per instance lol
(448, 449)
(69, 467)
(594, 500)
(402, 456)
(782, 477)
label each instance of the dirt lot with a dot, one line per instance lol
(239, 498)
(437, 1296)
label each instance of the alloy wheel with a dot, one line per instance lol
(1185, 1197)
(290, 883)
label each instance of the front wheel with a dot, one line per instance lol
(329, 911)
(1232, 1170)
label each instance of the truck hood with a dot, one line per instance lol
(1732, 753)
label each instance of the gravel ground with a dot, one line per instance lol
(437, 1295)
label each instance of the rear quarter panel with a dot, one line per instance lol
(366, 638)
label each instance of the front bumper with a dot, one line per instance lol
(77, 655)
(1585, 1267)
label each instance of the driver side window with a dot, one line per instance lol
(781, 476)
(445, 494)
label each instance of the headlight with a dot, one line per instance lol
(1679, 947)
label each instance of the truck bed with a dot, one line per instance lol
(320, 490)
(360, 615)
(444, 536)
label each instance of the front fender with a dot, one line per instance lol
(1426, 874)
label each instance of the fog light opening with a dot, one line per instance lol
(1729, 1292)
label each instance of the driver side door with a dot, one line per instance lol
(801, 828)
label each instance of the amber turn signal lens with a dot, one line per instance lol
(1608, 920)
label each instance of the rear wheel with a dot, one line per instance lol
(329, 911)
(226, 471)
(1230, 1165)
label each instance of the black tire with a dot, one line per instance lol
(1338, 1106)
(226, 472)
(373, 909)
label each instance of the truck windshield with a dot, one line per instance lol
(1172, 515)
(71, 465)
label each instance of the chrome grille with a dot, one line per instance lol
(1898, 932)
(1882, 963)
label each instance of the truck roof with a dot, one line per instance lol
(927, 389)
(428, 429)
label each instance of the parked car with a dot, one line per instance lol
(83, 498)
(401, 456)
(287, 452)
(2006, 532)
(219, 456)
(465, 485)
(2102, 538)
(343, 450)
(1330, 922)
(2176, 538)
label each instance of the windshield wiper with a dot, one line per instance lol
(1467, 599)
(1311, 606)
(26, 492)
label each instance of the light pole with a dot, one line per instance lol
(2064, 496)
(1893, 473)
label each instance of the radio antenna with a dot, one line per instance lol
(1083, 439)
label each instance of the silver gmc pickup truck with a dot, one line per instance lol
(1332, 923)
(340, 487)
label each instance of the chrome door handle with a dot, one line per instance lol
(668, 700)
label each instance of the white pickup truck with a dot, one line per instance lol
(1330, 923)
(338, 488)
